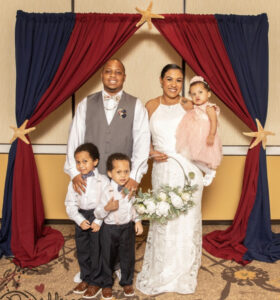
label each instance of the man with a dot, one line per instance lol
(115, 122)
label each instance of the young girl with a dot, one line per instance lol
(196, 136)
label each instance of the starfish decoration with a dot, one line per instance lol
(147, 16)
(21, 132)
(260, 135)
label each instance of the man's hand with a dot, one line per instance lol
(138, 228)
(112, 205)
(79, 184)
(85, 225)
(95, 227)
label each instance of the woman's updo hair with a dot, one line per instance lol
(199, 79)
(169, 67)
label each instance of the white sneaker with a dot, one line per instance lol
(208, 178)
(77, 278)
(118, 273)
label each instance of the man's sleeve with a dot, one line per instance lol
(76, 138)
(141, 142)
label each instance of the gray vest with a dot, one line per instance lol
(116, 137)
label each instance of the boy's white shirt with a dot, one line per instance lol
(124, 214)
(88, 200)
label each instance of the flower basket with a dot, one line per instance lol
(166, 203)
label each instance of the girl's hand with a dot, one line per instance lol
(94, 227)
(158, 156)
(85, 225)
(187, 104)
(210, 140)
(138, 228)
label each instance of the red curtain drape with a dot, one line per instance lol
(95, 38)
(197, 39)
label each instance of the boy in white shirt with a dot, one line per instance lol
(117, 237)
(80, 208)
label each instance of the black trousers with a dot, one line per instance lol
(88, 251)
(118, 241)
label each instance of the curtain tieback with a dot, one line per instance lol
(260, 135)
(21, 132)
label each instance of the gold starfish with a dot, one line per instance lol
(21, 132)
(260, 135)
(147, 16)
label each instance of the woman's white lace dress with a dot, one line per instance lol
(173, 251)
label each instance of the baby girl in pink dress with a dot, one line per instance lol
(196, 136)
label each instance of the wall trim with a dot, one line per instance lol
(145, 222)
(61, 149)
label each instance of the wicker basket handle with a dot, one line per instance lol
(152, 156)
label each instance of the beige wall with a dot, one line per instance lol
(144, 55)
(219, 202)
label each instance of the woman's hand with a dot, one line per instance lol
(138, 228)
(132, 186)
(158, 156)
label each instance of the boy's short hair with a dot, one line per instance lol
(90, 148)
(116, 156)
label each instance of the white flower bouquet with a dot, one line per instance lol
(166, 203)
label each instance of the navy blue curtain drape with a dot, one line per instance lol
(40, 44)
(5, 231)
(246, 42)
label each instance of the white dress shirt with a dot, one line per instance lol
(88, 200)
(123, 215)
(140, 133)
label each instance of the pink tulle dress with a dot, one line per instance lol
(191, 136)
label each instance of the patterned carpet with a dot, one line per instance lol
(218, 279)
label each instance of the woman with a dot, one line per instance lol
(173, 251)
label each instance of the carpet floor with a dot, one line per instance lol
(218, 279)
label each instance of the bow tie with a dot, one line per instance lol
(85, 176)
(120, 187)
(116, 98)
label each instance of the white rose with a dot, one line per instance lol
(151, 207)
(162, 196)
(186, 196)
(176, 200)
(180, 189)
(162, 209)
(140, 208)
(147, 201)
